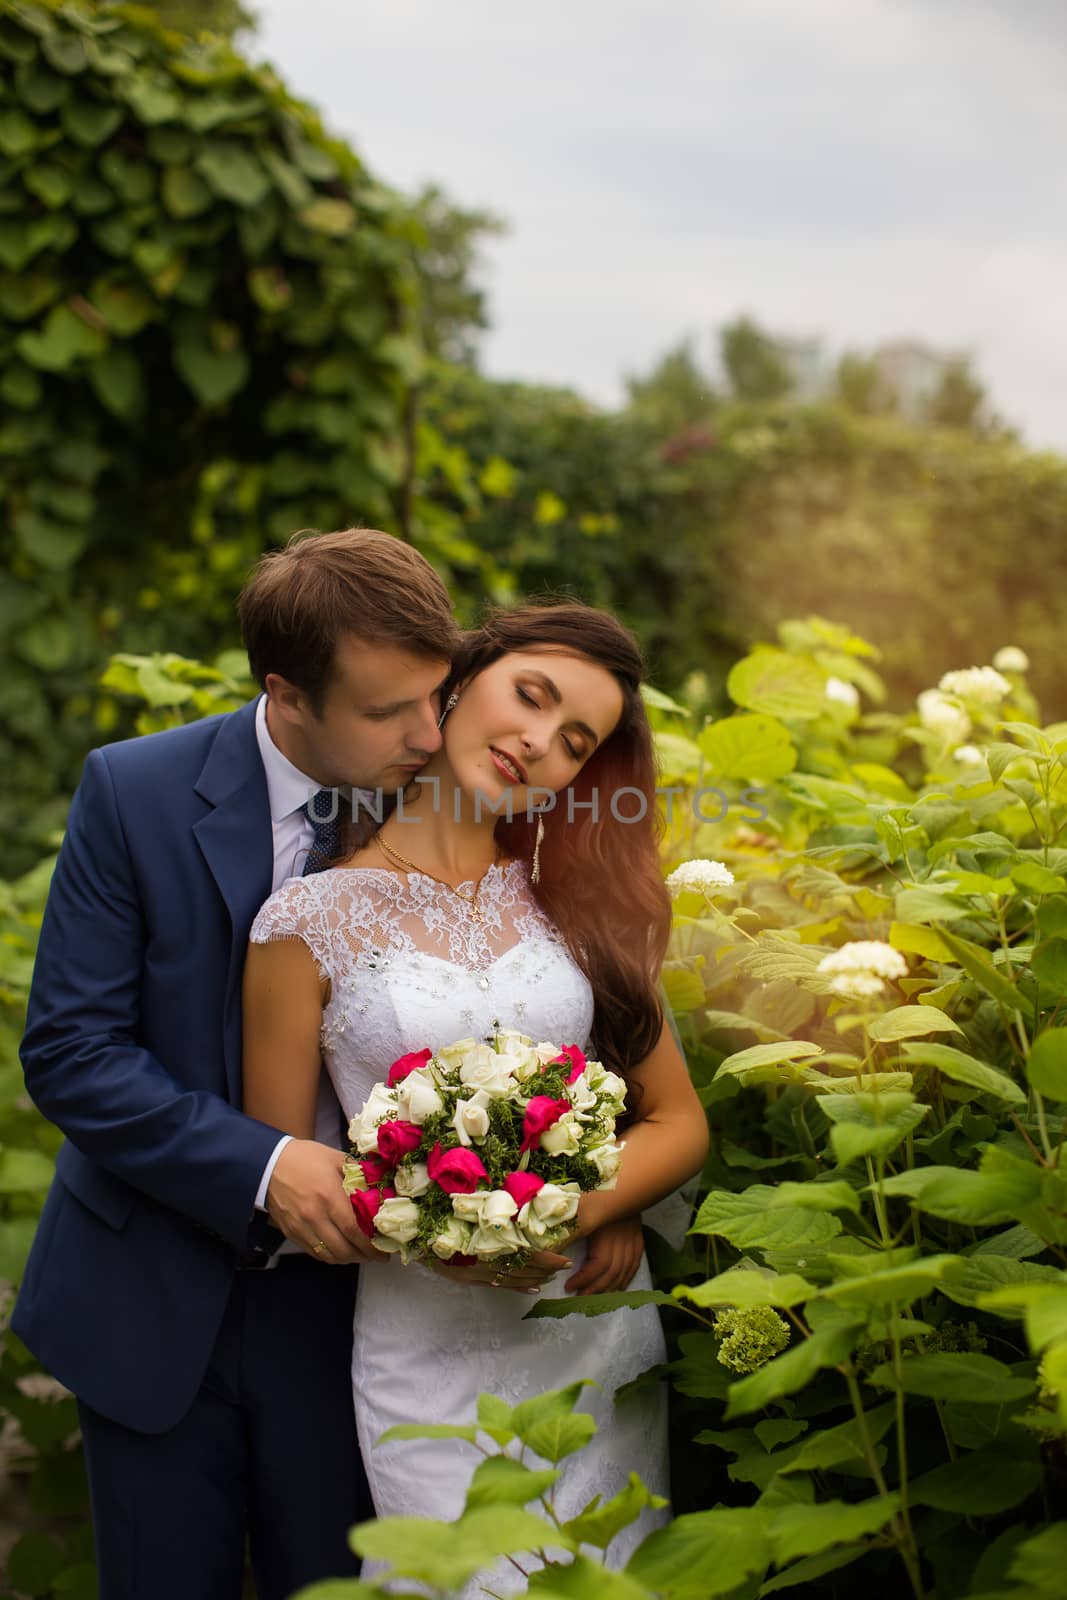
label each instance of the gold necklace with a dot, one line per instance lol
(471, 899)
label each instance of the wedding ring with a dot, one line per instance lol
(321, 1249)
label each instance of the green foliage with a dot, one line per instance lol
(208, 339)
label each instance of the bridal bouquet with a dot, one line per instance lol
(480, 1151)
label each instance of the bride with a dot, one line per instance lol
(468, 912)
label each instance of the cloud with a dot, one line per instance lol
(861, 169)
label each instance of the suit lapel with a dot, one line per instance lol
(236, 842)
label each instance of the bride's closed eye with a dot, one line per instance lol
(529, 700)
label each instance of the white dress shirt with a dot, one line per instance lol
(288, 791)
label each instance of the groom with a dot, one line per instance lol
(212, 1370)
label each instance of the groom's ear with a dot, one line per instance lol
(286, 699)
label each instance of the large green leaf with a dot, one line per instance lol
(447, 1554)
(213, 375)
(703, 1554)
(336, 218)
(963, 1068)
(750, 746)
(947, 1376)
(750, 1221)
(977, 1199)
(599, 1523)
(740, 1287)
(803, 1530)
(24, 1171)
(759, 1057)
(65, 339)
(894, 1285)
(910, 1022)
(844, 1444)
(503, 1481)
(976, 963)
(584, 1579)
(1046, 1067)
(233, 172)
(778, 684)
(596, 1305)
(870, 1124)
(1041, 1563)
(981, 1483)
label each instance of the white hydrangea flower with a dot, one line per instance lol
(845, 693)
(969, 755)
(857, 969)
(943, 716)
(976, 686)
(1009, 658)
(700, 874)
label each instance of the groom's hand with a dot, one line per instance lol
(614, 1255)
(306, 1201)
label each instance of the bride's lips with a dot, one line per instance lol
(504, 767)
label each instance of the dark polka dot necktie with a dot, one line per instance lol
(323, 811)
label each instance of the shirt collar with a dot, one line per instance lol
(288, 789)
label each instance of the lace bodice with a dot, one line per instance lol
(408, 967)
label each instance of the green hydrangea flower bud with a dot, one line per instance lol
(750, 1336)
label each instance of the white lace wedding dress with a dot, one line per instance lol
(409, 968)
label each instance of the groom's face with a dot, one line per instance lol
(376, 725)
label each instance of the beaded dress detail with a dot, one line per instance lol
(407, 968)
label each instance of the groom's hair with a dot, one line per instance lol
(300, 601)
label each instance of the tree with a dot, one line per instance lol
(675, 394)
(223, 17)
(752, 362)
(959, 401)
(860, 384)
(448, 243)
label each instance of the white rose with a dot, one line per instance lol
(468, 1207)
(513, 1040)
(564, 1138)
(556, 1202)
(417, 1098)
(352, 1179)
(397, 1219)
(380, 1107)
(582, 1097)
(484, 1069)
(546, 1052)
(487, 1243)
(606, 1158)
(412, 1181)
(471, 1119)
(498, 1210)
(452, 1055)
(612, 1087)
(453, 1239)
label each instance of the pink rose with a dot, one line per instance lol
(366, 1204)
(375, 1168)
(405, 1064)
(571, 1053)
(522, 1186)
(397, 1140)
(455, 1171)
(541, 1113)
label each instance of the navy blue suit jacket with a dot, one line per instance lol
(133, 1048)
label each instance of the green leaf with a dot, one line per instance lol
(447, 1554)
(1046, 1067)
(159, 689)
(981, 1483)
(18, 135)
(778, 684)
(843, 1445)
(335, 218)
(977, 1199)
(1049, 966)
(584, 1579)
(928, 905)
(184, 194)
(117, 380)
(50, 544)
(748, 1220)
(559, 1436)
(16, 1238)
(34, 1563)
(233, 172)
(596, 1305)
(813, 1567)
(822, 1195)
(748, 746)
(982, 1276)
(976, 963)
(502, 1481)
(758, 1056)
(870, 1124)
(910, 1022)
(963, 1068)
(214, 376)
(795, 1367)
(65, 339)
(90, 122)
(598, 1524)
(801, 1530)
(65, 51)
(1052, 917)
(24, 1171)
(47, 644)
(955, 1377)
(703, 1554)
(891, 1286)
(1041, 1562)
(740, 1287)
(50, 183)
(430, 1430)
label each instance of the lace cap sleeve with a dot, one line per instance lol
(294, 912)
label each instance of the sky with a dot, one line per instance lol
(852, 170)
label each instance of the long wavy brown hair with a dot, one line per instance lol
(600, 878)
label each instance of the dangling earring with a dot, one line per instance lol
(450, 705)
(535, 870)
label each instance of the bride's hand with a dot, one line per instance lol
(541, 1267)
(613, 1256)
